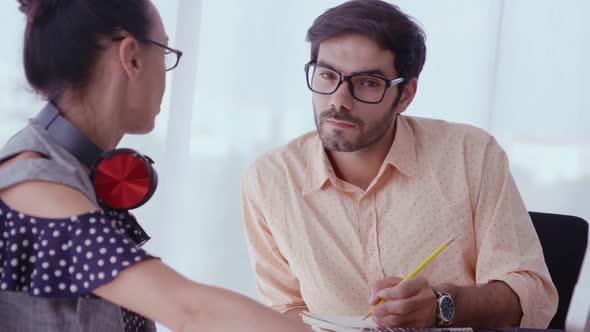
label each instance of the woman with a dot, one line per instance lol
(101, 64)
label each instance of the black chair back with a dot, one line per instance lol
(564, 240)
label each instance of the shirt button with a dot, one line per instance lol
(371, 251)
(366, 203)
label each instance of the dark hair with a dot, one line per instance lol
(382, 22)
(61, 39)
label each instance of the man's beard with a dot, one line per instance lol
(334, 140)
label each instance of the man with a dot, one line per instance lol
(339, 216)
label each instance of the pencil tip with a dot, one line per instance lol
(451, 240)
(367, 316)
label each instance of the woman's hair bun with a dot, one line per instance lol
(37, 8)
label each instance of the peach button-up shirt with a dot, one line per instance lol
(318, 241)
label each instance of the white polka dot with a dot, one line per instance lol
(14, 247)
(40, 254)
(91, 276)
(3, 285)
(45, 277)
(79, 276)
(74, 218)
(57, 273)
(137, 259)
(14, 262)
(51, 225)
(22, 216)
(113, 259)
(92, 220)
(62, 262)
(85, 267)
(75, 259)
(78, 231)
(89, 255)
(71, 269)
(73, 288)
(99, 239)
(56, 233)
(69, 228)
(47, 289)
(45, 265)
(88, 242)
(14, 276)
(64, 247)
(78, 249)
(125, 263)
(92, 231)
(125, 241)
(44, 243)
(25, 243)
(114, 273)
(9, 215)
(62, 286)
(33, 221)
(100, 275)
(86, 284)
(22, 268)
(102, 250)
(25, 289)
(133, 250)
(2, 243)
(13, 232)
(32, 259)
(119, 250)
(113, 240)
(100, 262)
(51, 252)
(34, 230)
(70, 243)
(36, 291)
(23, 230)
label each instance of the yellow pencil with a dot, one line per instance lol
(417, 270)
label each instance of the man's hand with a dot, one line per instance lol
(409, 304)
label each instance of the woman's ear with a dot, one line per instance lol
(129, 54)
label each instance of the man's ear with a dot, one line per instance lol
(408, 95)
(129, 54)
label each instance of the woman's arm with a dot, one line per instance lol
(150, 287)
(154, 290)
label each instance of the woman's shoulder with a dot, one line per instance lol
(43, 198)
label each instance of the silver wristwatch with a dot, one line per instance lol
(445, 309)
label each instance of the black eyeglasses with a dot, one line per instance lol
(171, 56)
(367, 88)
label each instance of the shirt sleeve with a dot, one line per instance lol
(508, 246)
(275, 280)
(66, 257)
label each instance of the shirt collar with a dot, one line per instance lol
(401, 155)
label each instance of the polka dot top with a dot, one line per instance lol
(68, 257)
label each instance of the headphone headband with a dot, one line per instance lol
(67, 135)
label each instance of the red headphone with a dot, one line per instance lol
(123, 179)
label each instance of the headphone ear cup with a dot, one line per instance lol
(123, 179)
(153, 179)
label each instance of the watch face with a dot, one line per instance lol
(447, 308)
